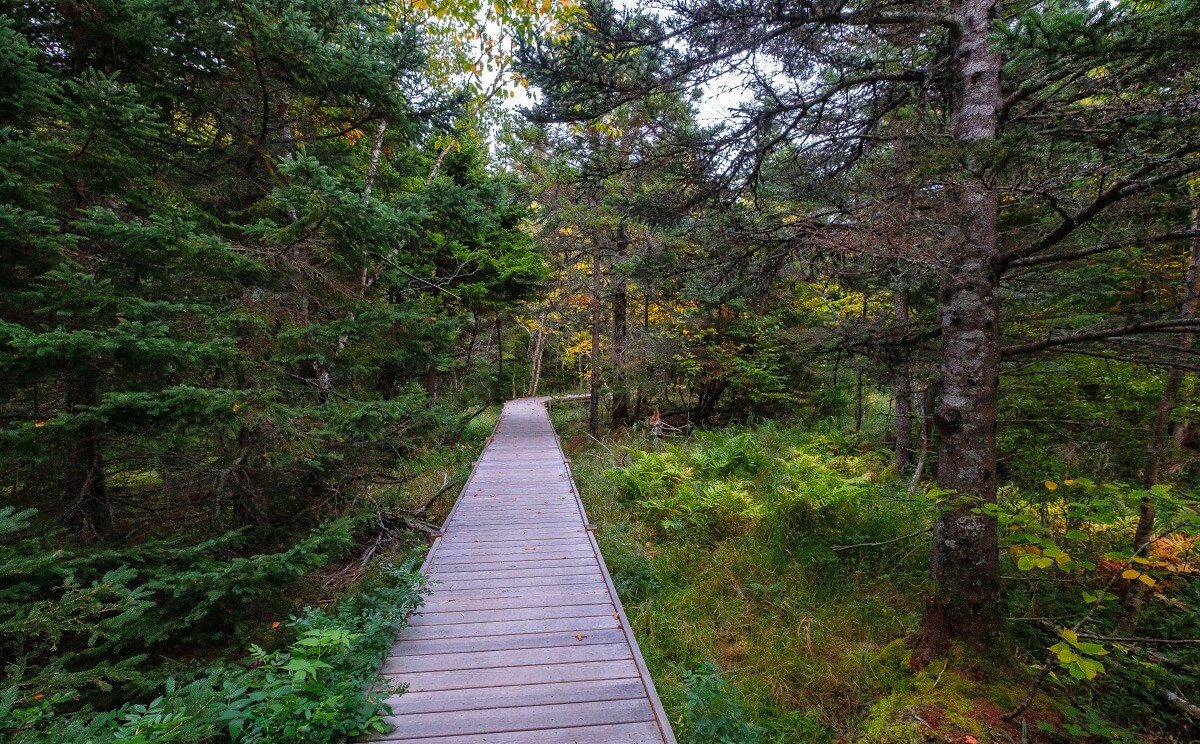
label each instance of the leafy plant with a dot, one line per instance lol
(713, 712)
(320, 687)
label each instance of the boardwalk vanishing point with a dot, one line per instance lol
(522, 639)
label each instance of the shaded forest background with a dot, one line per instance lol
(906, 339)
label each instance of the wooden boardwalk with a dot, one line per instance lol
(523, 639)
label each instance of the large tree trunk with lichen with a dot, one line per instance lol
(964, 604)
(1160, 432)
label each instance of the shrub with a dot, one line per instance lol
(316, 688)
(713, 712)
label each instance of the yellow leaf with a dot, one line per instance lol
(1051, 485)
(1147, 579)
(1130, 573)
(1069, 482)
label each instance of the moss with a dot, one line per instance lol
(958, 696)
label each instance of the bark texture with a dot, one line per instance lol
(594, 383)
(964, 561)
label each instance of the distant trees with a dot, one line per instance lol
(1043, 154)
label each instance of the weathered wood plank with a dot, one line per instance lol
(528, 599)
(622, 733)
(509, 627)
(414, 647)
(504, 560)
(501, 552)
(523, 718)
(453, 585)
(486, 679)
(424, 617)
(508, 566)
(583, 569)
(504, 697)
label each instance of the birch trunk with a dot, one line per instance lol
(537, 348)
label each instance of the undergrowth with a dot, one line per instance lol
(315, 687)
(223, 639)
(772, 572)
(722, 546)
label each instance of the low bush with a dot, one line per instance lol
(86, 660)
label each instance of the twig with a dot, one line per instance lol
(447, 484)
(884, 542)
(597, 441)
(939, 677)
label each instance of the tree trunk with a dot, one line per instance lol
(903, 391)
(928, 404)
(1160, 431)
(471, 344)
(376, 151)
(594, 385)
(858, 379)
(87, 491)
(537, 347)
(499, 353)
(964, 558)
(620, 336)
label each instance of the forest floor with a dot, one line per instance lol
(758, 624)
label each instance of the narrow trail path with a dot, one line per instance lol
(523, 639)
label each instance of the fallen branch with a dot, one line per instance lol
(1180, 704)
(883, 542)
(447, 484)
(1128, 644)
(466, 420)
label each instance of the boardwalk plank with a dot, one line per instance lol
(510, 627)
(517, 695)
(412, 647)
(510, 582)
(624, 733)
(501, 720)
(518, 657)
(425, 617)
(489, 679)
